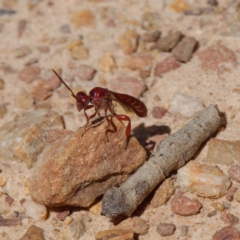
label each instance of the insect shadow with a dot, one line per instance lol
(143, 133)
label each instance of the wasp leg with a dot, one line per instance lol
(121, 118)
(88, 118)
(128, 128)
(110, 122)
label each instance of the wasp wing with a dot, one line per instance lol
(126, 107)
(130, 103)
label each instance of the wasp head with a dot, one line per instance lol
(82, 100)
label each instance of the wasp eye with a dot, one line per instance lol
(82, 100)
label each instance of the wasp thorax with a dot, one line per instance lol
(82, 100)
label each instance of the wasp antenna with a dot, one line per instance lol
(65, 84)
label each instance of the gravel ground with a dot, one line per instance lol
(101, 43)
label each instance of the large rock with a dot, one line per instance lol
(24, 137)
(75, 170)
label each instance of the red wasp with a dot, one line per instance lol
(101, 98)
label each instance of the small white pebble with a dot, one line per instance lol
(153, 210)
(2, 233)
(25, 221)
(185, 105)
(2, 181)
(27, 187)
(68, 220)
(203, 179)
(35, 210)
(96, 208)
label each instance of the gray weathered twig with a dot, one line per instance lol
(172, 153)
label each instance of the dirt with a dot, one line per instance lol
(43, 34)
